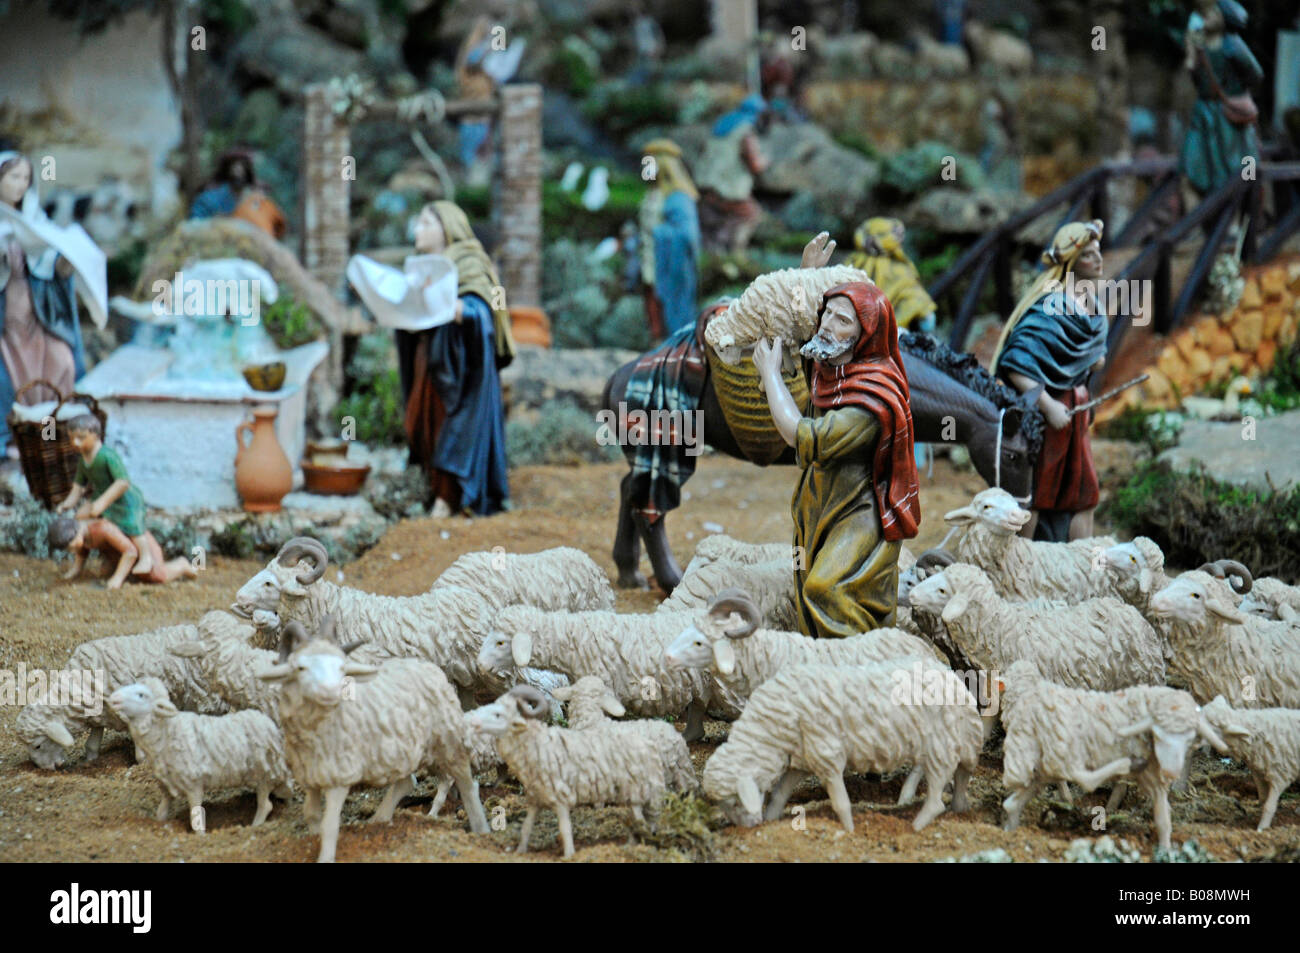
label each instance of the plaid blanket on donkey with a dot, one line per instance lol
(669, 378)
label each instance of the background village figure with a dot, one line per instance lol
(235, 191)
(455, 417)
(1054, 341)
(669, 244)
(878, 244)
(40, 263)
(725, 176)
(857, 496)
(1221, 131)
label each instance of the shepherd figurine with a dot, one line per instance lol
(857, 497)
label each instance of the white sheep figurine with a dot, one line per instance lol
(230, 665)
(824, 719)
(1218, 650)
(1057, 734)
(727, 640)
(49, 729)
(445, 626)
(592, 705)
(771, 585)
(346, 723)
(1021, 568)
(190, 754)
(624, 650)
(1268, 740)
(1101, 644)
(1272, 598)
(780, 304)
(559, 579)
(483, 755)
(721, 548)
(561, 768)
(1002, 52)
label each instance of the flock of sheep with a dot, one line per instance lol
(1104, 670)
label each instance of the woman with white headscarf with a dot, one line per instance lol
(40, 335)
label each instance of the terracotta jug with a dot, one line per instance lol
(263, 474)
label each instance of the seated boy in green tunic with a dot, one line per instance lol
(100, 472)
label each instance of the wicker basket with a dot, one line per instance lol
(49, 465)
(746, 408)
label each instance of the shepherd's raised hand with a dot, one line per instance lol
(818, 251)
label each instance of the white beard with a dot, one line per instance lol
(823, 348)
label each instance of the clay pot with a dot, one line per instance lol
(530, 326)
(263, 474)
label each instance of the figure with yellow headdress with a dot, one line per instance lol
(669, 241)
(455, 415)
(1054, 340)
(879, 252)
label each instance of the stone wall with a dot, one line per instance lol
(1210, 349)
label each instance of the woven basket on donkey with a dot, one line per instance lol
(49, 465)
(746, 408)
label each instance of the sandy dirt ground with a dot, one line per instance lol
(103, 811)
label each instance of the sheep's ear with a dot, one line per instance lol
(724, 656)
(59, 735)
(189, 649)
(360, 671)
(275, 673)
(747, 792)
(164, 708)
(521, 648)
(613, 707)
(1287, 613)
(1225, 610)
(292, 587)
(563, 693)
(956, 607)
(1144, 581)
(1235, 729)
(960, 517)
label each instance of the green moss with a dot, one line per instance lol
(686, 824)
(25, 530)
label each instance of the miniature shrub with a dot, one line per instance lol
(25, 529)
(375, 406)
(290, 323)
(1195, 518)
(561, 433)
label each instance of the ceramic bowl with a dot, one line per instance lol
(266, 376)
(334, 481)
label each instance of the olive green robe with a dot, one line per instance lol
(850, 583)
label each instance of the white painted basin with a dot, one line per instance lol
(176, 436)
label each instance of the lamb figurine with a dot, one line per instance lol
(1057, 734)
(49, 730)
(1268, 740)
(561, 768)
(624, 650)
(562, 579)
(1101, 644)
(592, 705)
(190, 754)
(346, 723)
(1217, 650)
(1020, 568)
(483, 755)
(780, 304)
(824, 719)
(1273, 599)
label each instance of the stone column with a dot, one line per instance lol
(736, 21)
(520, 194)
(327, 173)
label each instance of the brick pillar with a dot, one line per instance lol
(520, 194)
(326, 184)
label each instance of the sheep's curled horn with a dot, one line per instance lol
(728, 601)
(291, 636)
(531, 702)
(1231, 571)
(291, 554)
(935, 559)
